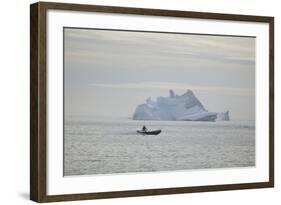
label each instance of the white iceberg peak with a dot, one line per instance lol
(184, 107)
(172, 94)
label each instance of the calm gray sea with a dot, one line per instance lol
(113, 146)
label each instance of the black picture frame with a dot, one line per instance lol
(38, 101)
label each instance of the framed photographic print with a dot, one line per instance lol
(135, 102)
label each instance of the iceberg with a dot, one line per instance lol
(175, 107)
(223, 116)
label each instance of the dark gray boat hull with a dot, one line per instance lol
(154, 132)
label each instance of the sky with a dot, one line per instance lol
(108, 73)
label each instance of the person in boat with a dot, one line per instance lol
(144, 129)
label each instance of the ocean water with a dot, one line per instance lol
(113, 146)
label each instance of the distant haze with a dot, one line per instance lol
(108, 73)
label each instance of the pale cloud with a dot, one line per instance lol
(101, 65)
(89, 45)
(178, 86)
